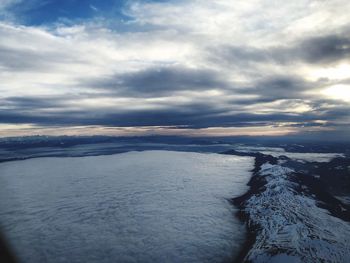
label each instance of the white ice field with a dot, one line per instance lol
(151, 206)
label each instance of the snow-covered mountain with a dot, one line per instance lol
(289, 221)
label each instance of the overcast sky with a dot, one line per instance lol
(200, 67)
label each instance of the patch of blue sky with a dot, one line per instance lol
(35, 12)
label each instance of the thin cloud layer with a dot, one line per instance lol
(204, 65)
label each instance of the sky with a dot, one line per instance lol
(197, 68)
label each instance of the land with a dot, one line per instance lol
(281, 230)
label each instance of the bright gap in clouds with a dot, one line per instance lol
(341, 71)
(338, 92)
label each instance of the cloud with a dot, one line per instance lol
(56, 111)
(201, 64)
(161, 81)
(279, 87)
(94, 8)
(324, 49)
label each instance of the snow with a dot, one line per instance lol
(292, 224)
(276, 152)
(344, 199)
(152, 206)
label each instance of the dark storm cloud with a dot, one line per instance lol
(279, 87)
(336, 113)
(136, 118)
(272, 88)
(167, 81)
(313, 50)
(325, 49)
(160, 81)
(194, 116)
